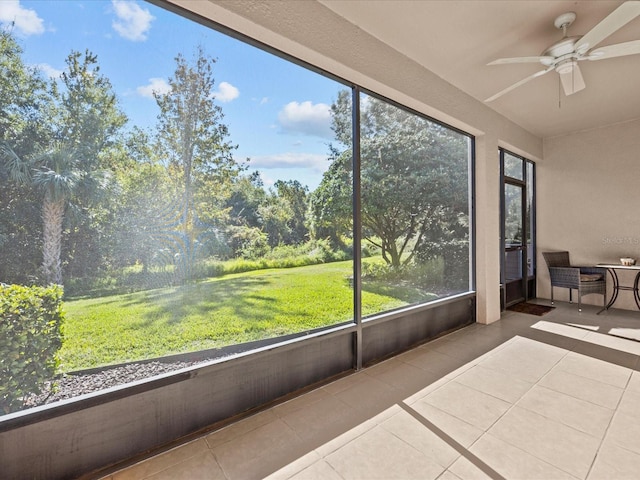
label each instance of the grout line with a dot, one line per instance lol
(606, 431)
(452, 443)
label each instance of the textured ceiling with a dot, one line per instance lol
(456, 40)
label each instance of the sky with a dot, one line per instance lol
(277, 112)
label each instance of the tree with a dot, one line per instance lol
(63, 164)
(274, 216)
(146, 216)
(282, 214)
(60, 174)
(411, 178)
(193, 141)
(88, 117)
(243, 232)
(294, 195)
(22, 95)
(330, 210)
(87, 120)
(22, 124)
(247, 195)
(59, 178)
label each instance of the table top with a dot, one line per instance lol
(618, 266)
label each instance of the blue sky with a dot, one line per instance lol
(276, 111)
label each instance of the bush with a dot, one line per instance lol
(30, 337)
(455, 254)
(323, 251)
(382, 272)
(250, 243)
(426, 276)
(308, 253)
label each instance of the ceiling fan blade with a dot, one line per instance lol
(546, 60)
(617, 50)
(518, 84)
(611, 23)
(572, 80)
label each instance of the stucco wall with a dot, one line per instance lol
(588, 201)
(315, 34)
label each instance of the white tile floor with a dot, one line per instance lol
(551, 397)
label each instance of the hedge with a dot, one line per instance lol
(30, 337)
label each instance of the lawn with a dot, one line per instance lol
(216, 312)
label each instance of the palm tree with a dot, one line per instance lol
(12, 166)
(58, 172)
(59, 177)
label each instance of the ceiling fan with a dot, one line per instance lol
(564, 55)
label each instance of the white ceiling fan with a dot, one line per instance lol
(564, 55)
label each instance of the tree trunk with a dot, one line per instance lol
(52, 216)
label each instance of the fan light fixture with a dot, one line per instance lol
(564, 55)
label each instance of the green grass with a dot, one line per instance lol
(221, 311)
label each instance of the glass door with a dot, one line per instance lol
(515, 248)
(517, 273)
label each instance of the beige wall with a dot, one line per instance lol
(311, 32)
(589, 201)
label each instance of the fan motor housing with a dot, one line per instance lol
(566, 46)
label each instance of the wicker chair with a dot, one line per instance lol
(584, 279)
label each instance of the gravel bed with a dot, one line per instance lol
(69, 386)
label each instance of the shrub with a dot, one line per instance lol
(30, 337)
(323, 251)
(381, 271)
(455, 254)
(250, 243)
(369, 250)
(427, 275)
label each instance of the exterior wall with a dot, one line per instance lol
(311, 32)
(588, 197)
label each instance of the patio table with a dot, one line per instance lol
(611, 268)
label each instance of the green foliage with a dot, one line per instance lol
(382, 271)
(228, 310)
(30, 337)
(88, 117)
(455, 257)
(21, 96)
(247, 242)
(22, 121)
(283, 256)
(448, 240)
(136, 277)
(294, 195)
(412, 283)
(191, 135)
(246, 196)
(413, 172)
(424, 274)
(311, 252)
(330, 206)
(58, 164)
(144, 216)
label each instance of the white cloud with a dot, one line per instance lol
(157, 85)
(133, 22)
(306, 118)
(27, 21)
(267, 180)
(313, 161)
(226, 92)
(49, 71)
